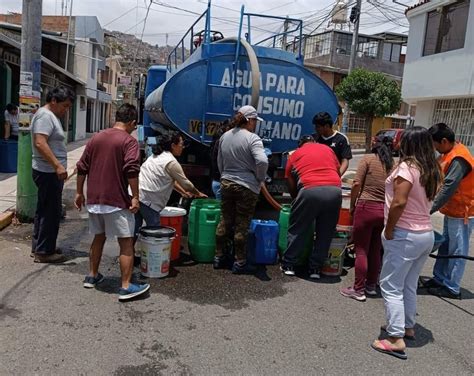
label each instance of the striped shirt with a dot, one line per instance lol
(371, 175)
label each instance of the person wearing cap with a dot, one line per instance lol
(243, 165)
(315, 185)
(338, 142)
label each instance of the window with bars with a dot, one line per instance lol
(368, 47)
(399, 123)
(357, 124)
(458, 114)
(391, 52)
(318, 45)
(343, 44)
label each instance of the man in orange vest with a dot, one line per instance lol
(456, 201)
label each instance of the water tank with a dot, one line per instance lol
(290, 94)
(339, 13)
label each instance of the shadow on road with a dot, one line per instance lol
(423, 337)
(16, 292)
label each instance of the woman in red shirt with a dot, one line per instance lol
(314, 183)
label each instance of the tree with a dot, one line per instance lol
(370, 94)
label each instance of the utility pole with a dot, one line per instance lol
(355, 17)
(68, 36)
(26, 192)
(284, 39)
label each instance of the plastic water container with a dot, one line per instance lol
(8, 155)
(204, 216)
(345, 220)
(263, 242)
(173, 217)
(155, 245)
(283, 223)
(334, 263)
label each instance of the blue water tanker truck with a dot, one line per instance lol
(209, 76)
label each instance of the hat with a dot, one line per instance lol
(249, 112)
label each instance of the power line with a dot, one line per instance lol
(115, 19)
(330, 14)
(138, 48)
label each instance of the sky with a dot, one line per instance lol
(168, 20)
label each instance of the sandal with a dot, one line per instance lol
(386, 348)
(57, 251)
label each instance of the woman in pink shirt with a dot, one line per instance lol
(408, 235)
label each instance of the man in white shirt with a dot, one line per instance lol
(11, 122)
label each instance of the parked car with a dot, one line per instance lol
(395, 134)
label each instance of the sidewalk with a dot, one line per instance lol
(8, 180)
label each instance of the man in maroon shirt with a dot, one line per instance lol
(111, 163)
(315, 185)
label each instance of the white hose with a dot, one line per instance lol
(254, 67)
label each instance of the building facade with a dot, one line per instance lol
(77, 49)
(439, 69)
(327, 54)
(53, 57)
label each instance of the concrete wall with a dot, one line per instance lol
(114, 67)
(82, 63)
(81, 115)
(50, 23)
(443, 75)
(372, 64)
(341, 61)
(424, 113)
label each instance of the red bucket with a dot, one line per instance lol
(345, 220)
(173, 217)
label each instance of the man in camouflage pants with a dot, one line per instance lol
(238, 206)
(243, 165)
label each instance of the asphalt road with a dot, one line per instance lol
(200, 322)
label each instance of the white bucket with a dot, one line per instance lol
(155, 253)
(334, 262)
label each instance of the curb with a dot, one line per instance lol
(5, 219)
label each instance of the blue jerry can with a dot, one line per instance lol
(263, 242)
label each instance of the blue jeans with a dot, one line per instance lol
(216, 189)
(449, 272)
(151, 217)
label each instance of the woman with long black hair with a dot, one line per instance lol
(367, 203)
(408, 236)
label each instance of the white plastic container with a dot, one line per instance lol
(155, 245)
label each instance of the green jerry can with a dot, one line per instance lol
(204, 217)
(283, 223)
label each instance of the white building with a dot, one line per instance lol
(94, 108)
(439, 68)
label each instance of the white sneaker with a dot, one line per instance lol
(287, 270)
(315, 273)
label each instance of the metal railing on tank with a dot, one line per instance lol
(295, 45)
(180, 53)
